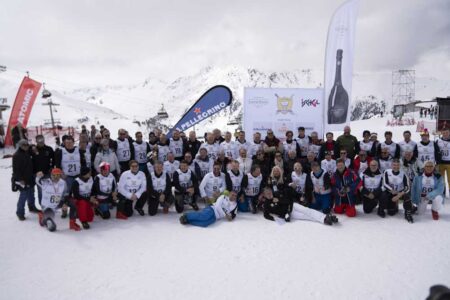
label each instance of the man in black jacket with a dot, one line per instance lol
(43, 160)
(23, 178)
(192, 144)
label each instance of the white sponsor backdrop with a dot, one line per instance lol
(282, 110)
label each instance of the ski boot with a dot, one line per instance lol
(183, 219)
(73, 225)
(140, 211)
(408, 216)
(85, 225)
(121, 216)
(328, 220)
(435, 215)
(50, 224)
(41, 218)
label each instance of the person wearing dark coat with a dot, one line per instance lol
(280, 190)
(18, 133)
(328, 146)
(192, 145)
(23, 179)
(43, 158)
(263, 162)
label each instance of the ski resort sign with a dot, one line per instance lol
(282, 110)
(210, 103)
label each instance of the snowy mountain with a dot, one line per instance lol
(108, 104)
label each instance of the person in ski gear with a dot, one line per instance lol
(125, 150)
(186, 187)
(54, 197)
(81, 193)
(23, 179)
(273, 206)
(428, 186)
(212, 185)
(159, 189)
(396, 187)
(132, 188)
(371, 188)
(224, 207)
(345, 183)
(104, 191)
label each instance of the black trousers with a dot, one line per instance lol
(125, 205)
(391, 206)
(182, 199)
(70, 202)
(369, 204)
(153, 203)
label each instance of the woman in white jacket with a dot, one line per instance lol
(105, 154)
(225, 207)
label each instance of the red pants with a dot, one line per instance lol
(349, 210)
(85, 211)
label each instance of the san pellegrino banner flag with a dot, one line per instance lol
(210, 103)
(20, 113)
(339, 66)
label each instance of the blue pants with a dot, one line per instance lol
(245, 206)
(322, 202)
(69, 182)
(202, 218)
(25, 196)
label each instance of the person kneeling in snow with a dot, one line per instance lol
(132, 187)
(428, 186)
(81, 192)
(54, 196)
(224, 207)
(397, 187)
(345, 183)
(104, 191)
(274, 206)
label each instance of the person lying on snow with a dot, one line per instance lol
(273, 205)
(224, 207)
(55, 196)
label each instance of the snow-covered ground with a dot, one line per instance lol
(249, 258)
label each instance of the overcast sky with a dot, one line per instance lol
(107, 41)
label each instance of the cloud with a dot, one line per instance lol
(103, 41)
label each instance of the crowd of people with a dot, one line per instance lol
(300, 178)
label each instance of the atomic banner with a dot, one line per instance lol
(20, 113)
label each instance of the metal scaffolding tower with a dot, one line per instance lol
(403, 86)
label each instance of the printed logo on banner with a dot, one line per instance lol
(310, 102)
(262, 126)
(281, 129)
(284, 104)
